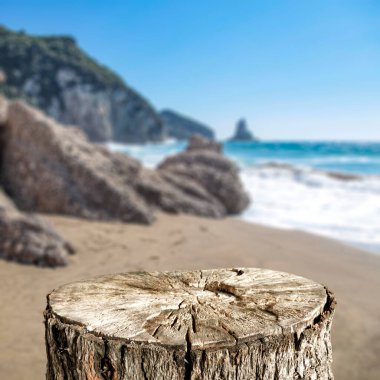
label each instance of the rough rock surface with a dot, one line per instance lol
(55, 75)
(28, 239)
(210, 171)
(182, 127)
(48, 168)
(166, 191)
(242, 132)
(52, 169)
(198, 142)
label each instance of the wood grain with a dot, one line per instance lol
(240, 323)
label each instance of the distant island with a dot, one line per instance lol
(242, 132)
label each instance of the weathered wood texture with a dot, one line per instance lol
(211, 324)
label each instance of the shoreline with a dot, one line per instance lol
(188, 242)
(373, 249)
(370, 248)
(339, 187)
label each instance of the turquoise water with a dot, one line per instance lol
(294, 185)
(358, 158)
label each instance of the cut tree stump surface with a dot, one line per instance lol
(192, 319)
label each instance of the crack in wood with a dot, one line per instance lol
(229, 331)
(239, 272)
(188, 359)
(193, 319)
(219, 287)
(145, 375)
(107, 370)
(199, 324)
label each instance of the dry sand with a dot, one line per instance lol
(183, 242)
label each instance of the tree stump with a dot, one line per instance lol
(212, 324)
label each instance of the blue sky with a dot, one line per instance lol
(306, 69)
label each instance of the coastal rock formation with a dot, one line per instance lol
(182, 128)
(166, 191)
(55, 75)
(242, 132)
(210, 171)
(48, 168)
(28, 239)
(198, 142)
(53, 169)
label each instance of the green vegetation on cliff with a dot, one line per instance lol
(54, 74)
(23, 56)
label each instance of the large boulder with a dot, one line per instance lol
(210, 171)
(28, 239)
(169, 192)
(198, 142)
(52, 169)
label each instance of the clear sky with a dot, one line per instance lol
(306, 69)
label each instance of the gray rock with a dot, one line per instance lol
(182, 127)
(28, 239)
(55, 75)
(242, 132)
(215, 174)
(174, 193)
(198, 142)
(52, 169)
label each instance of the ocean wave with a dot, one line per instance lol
(150, 154)
(321, 202)
(343, 159)
(299, 170)
(308, 187)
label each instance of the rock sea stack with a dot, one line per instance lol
(242, 132)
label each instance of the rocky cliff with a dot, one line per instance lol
(182, 127)
(55, 75)
(242, 132)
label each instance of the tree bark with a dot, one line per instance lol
(212, 324)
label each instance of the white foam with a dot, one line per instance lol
(297, 197)
(313, 201)
(150, 154)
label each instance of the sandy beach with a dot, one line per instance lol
(185, 242)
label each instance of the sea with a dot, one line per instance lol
(326, 188)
